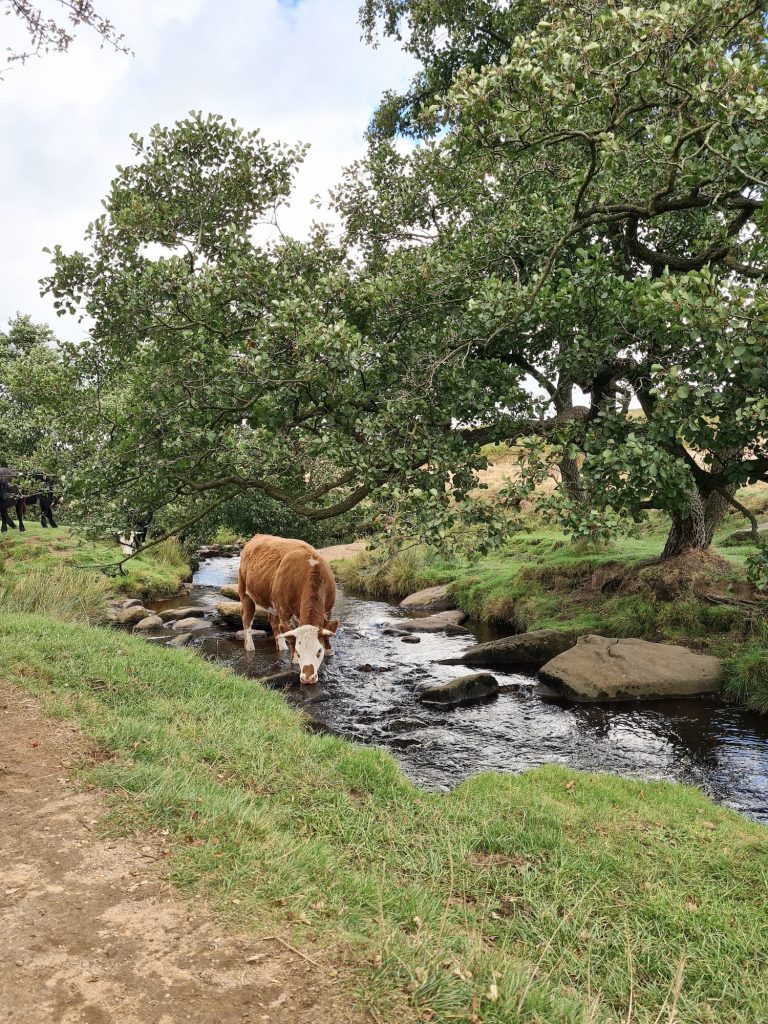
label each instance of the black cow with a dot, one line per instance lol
(12, 496)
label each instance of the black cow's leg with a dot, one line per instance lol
(46, 511)
(20, 509)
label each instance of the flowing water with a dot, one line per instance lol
(369, 692)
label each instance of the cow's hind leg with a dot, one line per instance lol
(249, 610)
(46, 512)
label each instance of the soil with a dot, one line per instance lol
(89, 930)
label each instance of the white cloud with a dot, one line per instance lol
(298, 72)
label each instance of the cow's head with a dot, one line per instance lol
(308, 649)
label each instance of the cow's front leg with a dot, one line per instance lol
(277, 629)
(248, 606)
(20, 510)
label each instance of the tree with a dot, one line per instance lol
(48, 33)
(596, 173)
(27, 352)
(218, 363)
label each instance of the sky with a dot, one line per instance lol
(295, 69)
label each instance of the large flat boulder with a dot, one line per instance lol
(524, 650)
(464, 690)
(230, 591)
(599, 668)
(434, 599)
(441, 622)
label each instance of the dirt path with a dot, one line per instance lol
(90, 933)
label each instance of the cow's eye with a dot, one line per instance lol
(320, 652)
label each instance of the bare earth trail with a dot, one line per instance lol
(90, 933)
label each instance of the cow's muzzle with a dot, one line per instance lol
(308, 676)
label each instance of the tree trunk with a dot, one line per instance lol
(695, 527)
(570, 476)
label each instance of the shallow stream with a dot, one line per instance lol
(369, 692)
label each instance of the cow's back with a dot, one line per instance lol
(260, 560)
(304, 585)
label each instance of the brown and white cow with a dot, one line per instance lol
(295, 584)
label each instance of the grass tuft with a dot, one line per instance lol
(55, 591)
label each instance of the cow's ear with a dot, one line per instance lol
(332, 626)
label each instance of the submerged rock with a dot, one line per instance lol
(524, 650)
(434, 598)
(599, 668)
(464, 690)
(148, 622)
(408, 639)
(441, 622)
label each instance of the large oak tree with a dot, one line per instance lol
(594, 174)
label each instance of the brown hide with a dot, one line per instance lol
(276, 574)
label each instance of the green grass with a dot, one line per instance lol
(546, 898)
(158, 572)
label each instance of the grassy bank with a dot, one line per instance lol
(540, 579)
(548, 897)
(63, 573)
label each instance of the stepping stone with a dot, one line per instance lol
(148, 622)
(193, 611)
(191, 625)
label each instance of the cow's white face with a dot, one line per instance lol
(308, 650)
